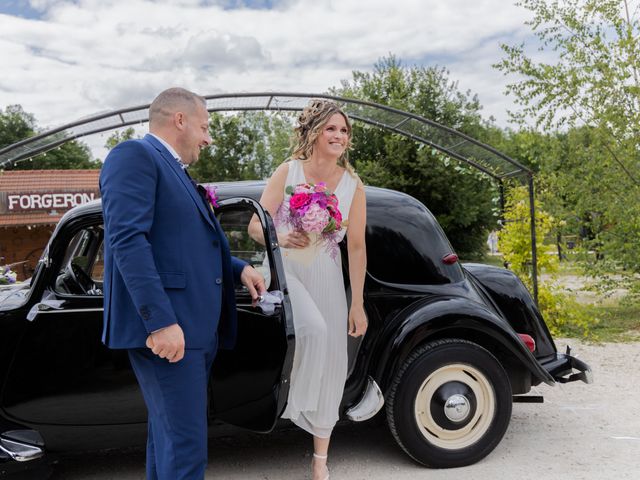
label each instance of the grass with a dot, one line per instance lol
(615, 322)
(495, 260)
(568, 267)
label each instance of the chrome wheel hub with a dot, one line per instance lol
(454, 407)
(457, 408)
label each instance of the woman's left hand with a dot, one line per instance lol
(357, 321)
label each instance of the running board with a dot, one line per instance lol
(22, 445)
(528, 399)
(371, 402)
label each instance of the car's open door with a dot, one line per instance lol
(249, 384)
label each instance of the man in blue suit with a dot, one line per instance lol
(169, 279)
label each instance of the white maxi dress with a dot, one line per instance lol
(320, 318)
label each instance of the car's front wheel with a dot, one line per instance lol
(450, 403)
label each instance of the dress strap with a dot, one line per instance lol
(295, 174)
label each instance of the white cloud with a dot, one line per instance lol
(86, 56)
(42, 5)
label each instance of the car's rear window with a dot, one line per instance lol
(405, 243)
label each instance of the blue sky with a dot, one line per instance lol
(66, 59)
(19, 8)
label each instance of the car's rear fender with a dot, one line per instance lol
(516, 304)
(456, 317)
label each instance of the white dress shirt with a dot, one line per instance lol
(170, 148)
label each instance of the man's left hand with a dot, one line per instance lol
(254, 282)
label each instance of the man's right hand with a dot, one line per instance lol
(168, 343)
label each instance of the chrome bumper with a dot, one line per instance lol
(565, 368)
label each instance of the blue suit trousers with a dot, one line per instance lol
(176, 399)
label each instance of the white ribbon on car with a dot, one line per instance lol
(268, 301)
(48, 302)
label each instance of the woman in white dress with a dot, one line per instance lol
(314, 275)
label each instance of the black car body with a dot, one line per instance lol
(445, 351)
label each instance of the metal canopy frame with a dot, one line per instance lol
(451, 142)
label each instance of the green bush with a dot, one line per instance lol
(562, 314)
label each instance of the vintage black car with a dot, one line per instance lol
(449, 346)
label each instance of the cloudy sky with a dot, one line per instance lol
(65, 59)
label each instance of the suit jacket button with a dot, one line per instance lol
(144, 312)
(215, 243)
(218, 281)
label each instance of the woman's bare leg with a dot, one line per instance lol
(320, 453)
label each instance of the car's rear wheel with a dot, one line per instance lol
(450, 403)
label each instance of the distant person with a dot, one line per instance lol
(492, 242)
(169, 279)
(316, 286)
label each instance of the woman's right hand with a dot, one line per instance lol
(293, 239)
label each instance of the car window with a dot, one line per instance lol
(80, 272)
(405, 243)
(234, 222)
(74, 249)
(97, 269)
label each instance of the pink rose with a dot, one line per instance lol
(337, 216)
(299, 200)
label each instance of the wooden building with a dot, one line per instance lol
(31, 203)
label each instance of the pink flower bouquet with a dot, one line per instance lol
(314, 209)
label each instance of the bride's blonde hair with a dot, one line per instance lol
(310, 124)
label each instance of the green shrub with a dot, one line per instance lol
(562, 314)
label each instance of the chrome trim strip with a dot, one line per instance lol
(71, 310)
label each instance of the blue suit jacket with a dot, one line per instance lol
(166, 258)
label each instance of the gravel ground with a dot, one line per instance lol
(580, 432)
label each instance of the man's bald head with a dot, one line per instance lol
(180, 118)
(171, 101)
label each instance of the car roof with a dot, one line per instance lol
(408, 240)
(244, 188)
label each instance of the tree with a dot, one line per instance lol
(543, 153)
(68, 156)
(595, 78)
(119, 136)
(460, 197)
(246, 146)
(560, 310)
(16, 125)
(593, 92)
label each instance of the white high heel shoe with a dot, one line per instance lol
(322, 457)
